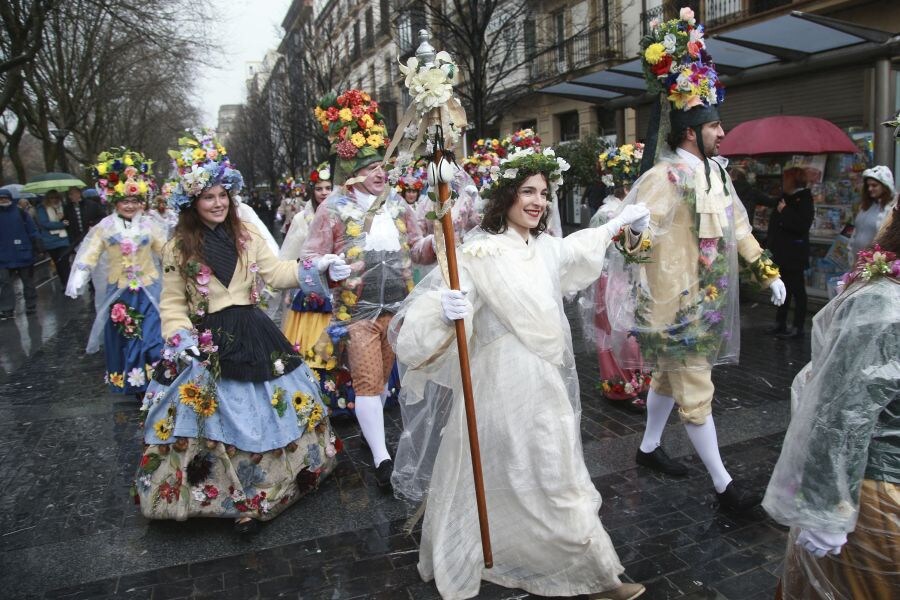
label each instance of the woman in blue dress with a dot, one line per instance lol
(123, 250)
(235, 425)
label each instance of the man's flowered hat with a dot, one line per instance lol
(355, 129)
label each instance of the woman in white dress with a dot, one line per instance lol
(546, 533)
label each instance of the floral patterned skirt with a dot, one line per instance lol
(130, 357)
(228, 448)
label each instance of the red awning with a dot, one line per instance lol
(786, 135)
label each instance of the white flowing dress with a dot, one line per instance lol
(543, 509)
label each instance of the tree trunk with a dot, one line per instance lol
(14, 155)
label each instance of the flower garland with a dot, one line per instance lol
(518, 166)
(639, 382)
(127, 320)
(486, 153)
(763, 269)
(873, 264)
(521, 139)
(353, 123)
(620, 166)
(201, 162)
(413, 179)
(676, 63)
(122, 173)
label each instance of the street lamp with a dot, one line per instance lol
(60, 135)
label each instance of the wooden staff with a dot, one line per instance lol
(462, 346)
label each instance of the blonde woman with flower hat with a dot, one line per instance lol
(546, 535)
(234, 426)
(126, 246)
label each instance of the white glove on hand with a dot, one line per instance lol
(337, 267)
(635, 215)
(455, 305)
(190, 354)
(778, 292)
(820, 543)
(77, 280)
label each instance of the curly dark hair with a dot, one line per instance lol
(494, 220)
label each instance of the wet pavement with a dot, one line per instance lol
(68, 450)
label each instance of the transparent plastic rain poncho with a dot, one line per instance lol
(99, 259)
(839, 467)
(380, 259)
(466, 215)
(682, 305)
(527, 404)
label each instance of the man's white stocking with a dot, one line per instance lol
(706, 443)
(370, 414)
(659, 408)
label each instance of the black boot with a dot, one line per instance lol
(383, 473)
(659, 461)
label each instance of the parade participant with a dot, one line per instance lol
(126, 246)
(160, 212)
(837, 481)
(380, 241)
(546, 535)
(877, 196)
(679, 292)
(240, 431)
(19, 243)
(623, 387)
(291, 204)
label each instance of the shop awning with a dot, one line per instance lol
(779, 41)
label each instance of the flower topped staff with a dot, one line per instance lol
(433, 87)
(620, 166)
(355, 129)
(519, 166)
(523, 138)
(122, 173)
(201, 163)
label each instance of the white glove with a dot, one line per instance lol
(455, 305)
(337, 267)
(637, 216)
(190, 354)
(77, 280)
(820, 543)
(778, 292)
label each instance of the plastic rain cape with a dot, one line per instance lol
(841, 452)
(682, 306)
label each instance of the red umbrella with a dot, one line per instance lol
(786, 135)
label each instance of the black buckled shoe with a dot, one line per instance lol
(737, 499)
(659, 461)
(248, 527)
(383, 474)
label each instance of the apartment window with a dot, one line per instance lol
(356, 48)
(404, 33)
(388, 71)
(374, 84)
(529, 35)
(568, 126)
(385, 17)
(530, 124)
(370, 28)
(559, 28)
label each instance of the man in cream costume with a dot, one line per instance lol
(683, 300)
(364, 253)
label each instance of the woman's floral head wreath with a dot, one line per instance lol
(320, 173)
(121, 173)
(517, 167)
(523, 138)
(201, 163)
(620, 166)
(413, 179)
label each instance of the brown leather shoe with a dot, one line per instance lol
(626, 591)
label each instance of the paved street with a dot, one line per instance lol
(68, 451)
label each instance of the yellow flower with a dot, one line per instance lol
(330, 364)
(348, 298)
(117, 379)
(346, 115)
(401, 225)
(603, 156)
(163, 429)
(711, 293)
(353, 229)
(179, 162)
(101, 169)
(480, 142)
(120, 188)
(314, 417)
(771, 271)
(128, 160)
(301, 401)
(410, 285)
(189, 393)
(368, 121)
(343, 315)
(627, 149)
(645, 244)
(375, 140)
(354, 252)
(198, 154)
(654, 53)
(142, 186)
(206, 406)
(358, 140)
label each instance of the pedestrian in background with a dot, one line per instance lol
(81, 213)
(877, 197)
(19, 241)
(788, 240)
(53, 224)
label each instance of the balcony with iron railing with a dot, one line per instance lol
(582, 50)
(712, 13)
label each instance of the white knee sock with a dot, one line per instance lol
(705, 442)
(370, 414)
(658, 409)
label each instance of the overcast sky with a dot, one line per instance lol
(247, 29)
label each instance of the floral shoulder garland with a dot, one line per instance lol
(873, 264)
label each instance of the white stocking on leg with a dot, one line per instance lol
(706, 443)
(370, 414)
(658, 409)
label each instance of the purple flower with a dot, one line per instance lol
(722, 283)
(713, 317)
(895, 268)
